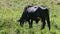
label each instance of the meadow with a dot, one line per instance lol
(11, 11)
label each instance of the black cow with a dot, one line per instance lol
(35, 13)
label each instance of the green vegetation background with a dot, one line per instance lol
(11, 11)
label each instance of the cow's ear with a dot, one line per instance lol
(19, 20)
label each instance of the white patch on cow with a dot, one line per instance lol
(43, 7)
(32, 9)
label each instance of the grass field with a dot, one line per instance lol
(11, 11)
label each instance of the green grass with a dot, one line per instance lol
(11, 11)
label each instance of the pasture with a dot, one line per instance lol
(11, 11)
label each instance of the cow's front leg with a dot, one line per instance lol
(30, 23)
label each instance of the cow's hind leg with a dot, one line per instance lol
(43, 25)
(48, 22)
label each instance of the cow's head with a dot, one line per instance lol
(21, 20)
